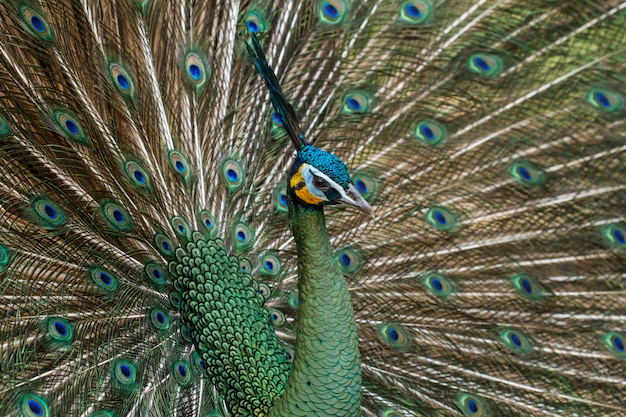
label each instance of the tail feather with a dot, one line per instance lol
(487, 134)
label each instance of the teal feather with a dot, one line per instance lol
(488, 136)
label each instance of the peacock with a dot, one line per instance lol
(312, 208)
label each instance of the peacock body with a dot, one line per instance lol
(163, 253)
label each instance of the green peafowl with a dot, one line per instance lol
(164, 253)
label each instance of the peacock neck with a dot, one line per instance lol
(326, 376)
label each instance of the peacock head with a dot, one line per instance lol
(319, 178)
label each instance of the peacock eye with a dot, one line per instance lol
(321, 184)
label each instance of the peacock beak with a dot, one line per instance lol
(353, 198)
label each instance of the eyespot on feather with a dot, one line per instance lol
(487, 65)
(332, 12)
(416, 12)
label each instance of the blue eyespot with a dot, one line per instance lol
(356, 102)
(441, 218)
(232, 175)
(486, 64)
(277, 317)
(195, 72)
(605, 100)
(179, 164)
(602, 99)
(526, 173)
(137, 174)
(37, 24)
(105, 278)
(123, 82)
(196, 69)
(59, 333)
(528, 287)
(208, 221)
(360, 186)
(331, 12)
(523, 172)
(255, 20)
(164, 244)
(276, 118)
(353, 104)
(350, 260)
(395, 336)
(615, 235)
(416, 11)
(252, 26)
(472, 405)
(243, 237)
(181, 372)
(160, 317)
(121, 79)
(483, 65)
(427, 132)
(515, 340)
(50, 211)
(430, 132)
(438, 285)
(140, 177)
(280, 199)
(413, 11)
(616, 342)
(34, 406)
(60, 328)
(118, 215)
(269, 265)
(366, 184)
(155, 274)
(125, 370)
(72, 127)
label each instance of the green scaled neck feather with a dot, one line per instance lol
(326, 377)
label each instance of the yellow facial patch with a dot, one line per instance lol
(298, 184)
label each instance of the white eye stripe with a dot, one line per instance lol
(308, 172)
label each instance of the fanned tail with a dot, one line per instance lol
(489, 136)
